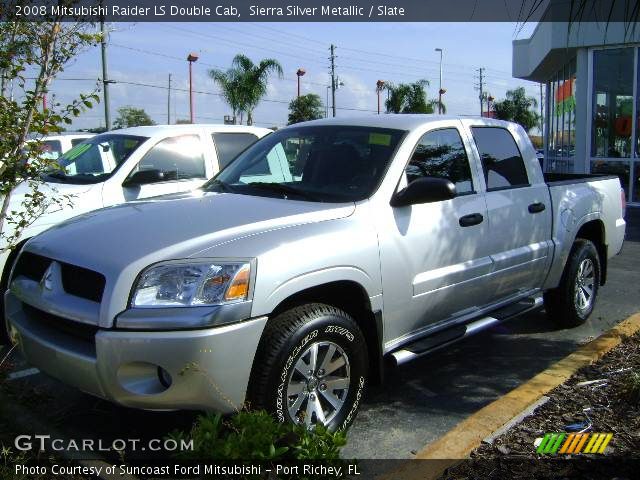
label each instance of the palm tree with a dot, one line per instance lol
(411, 98)
(229, 83)
(245, 83)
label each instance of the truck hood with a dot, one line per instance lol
(136, 234)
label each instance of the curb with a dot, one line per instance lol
(461, 440)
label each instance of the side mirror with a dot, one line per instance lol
(142, 177)
(424, 190)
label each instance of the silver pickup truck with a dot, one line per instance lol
(321, 254)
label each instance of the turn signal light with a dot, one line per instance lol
(239, 287)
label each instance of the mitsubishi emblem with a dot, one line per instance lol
(47, 279)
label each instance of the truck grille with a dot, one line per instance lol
(80, 331)
(76, 281)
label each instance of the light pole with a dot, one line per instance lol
(440, 90)
(300, 73)
(379, 87)
(192, 57)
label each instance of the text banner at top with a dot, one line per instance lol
(521, 11)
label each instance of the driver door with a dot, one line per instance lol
(434, 255)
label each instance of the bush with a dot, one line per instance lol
(255, 435)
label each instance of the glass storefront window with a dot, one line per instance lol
(638, 109)
(619, 168)
(562, 119)
(636, 182)
(612, 103)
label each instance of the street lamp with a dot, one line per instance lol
(379, 87)
(300, 73)
(192, 57)
(489, 100)
(440, 90)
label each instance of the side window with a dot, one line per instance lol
(441, 153)
(178, 158)
(502, 162)
(229, 145)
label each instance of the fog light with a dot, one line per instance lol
(144, 378)
(164, 377)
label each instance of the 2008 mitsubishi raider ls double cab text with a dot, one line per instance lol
(321, 251)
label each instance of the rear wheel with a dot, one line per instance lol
(310, 367)
(572, 302)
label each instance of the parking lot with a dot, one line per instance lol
(419, 401)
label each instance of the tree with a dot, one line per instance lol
(245, 83)
(410, 98)
(132, 117)
(519, 108)
(304, 108)
(40, 49)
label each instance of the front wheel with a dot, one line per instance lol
(310, 367)
(571, 303)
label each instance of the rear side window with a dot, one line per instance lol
(178, 158)
(229, 145)
(441, 154)
(502, 162)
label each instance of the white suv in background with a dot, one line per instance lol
(132, 164)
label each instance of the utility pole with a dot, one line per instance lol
(105, 76)
(481, 88)
(169, 102)
(333, 77)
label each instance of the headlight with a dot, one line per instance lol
(192, 284)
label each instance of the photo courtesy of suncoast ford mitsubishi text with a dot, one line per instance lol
(324, 252)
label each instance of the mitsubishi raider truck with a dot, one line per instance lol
(322, 253)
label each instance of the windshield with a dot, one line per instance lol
(317, 163)
(95, 159)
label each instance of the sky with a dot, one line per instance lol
(146, 53)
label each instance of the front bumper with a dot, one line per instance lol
(207, 368)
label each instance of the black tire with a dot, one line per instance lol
(288, 342)
(563, 303)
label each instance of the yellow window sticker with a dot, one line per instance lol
(380, 139)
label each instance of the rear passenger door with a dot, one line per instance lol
(519, 219)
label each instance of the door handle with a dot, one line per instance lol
(471, 220)
(537, 207)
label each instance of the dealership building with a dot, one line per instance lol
(592, 102)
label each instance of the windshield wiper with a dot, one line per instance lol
(56, 174)
(285, 189)
(223, 186)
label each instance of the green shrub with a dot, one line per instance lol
(631, 388)
(255, 435)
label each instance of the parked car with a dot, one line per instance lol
(322, 251)
(131, 164)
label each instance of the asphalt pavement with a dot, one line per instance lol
(419, 402)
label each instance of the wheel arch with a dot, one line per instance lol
(594, 231)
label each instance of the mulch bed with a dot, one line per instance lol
(612, 404)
